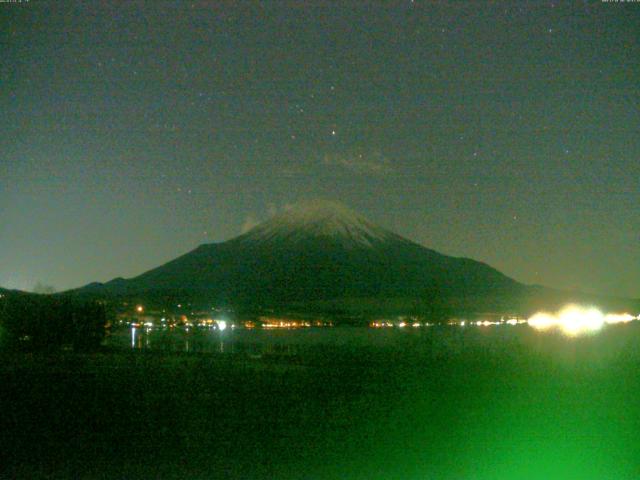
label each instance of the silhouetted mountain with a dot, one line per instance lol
(5, 292)
(324, 256)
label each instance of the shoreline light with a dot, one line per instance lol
(575, 320)
(614, 318)
(222, 325)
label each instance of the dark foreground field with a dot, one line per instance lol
(529, 407)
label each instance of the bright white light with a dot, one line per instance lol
(462, 323)
(571, 320)
(402, 324)
(542, 321)
(613, 318)
(512, 321)
(222, 325)
(575, 320)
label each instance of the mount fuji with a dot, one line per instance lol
(321, 256)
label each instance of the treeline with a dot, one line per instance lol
(49, 322)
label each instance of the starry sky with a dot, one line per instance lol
(507, 132)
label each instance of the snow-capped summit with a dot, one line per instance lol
(319, 219)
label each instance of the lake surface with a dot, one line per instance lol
(424, 341)
(343, 403)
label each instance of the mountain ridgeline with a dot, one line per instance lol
(323, 257)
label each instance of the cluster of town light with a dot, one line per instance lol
(572, 320)
(486, 323)
(285, 324)
(575, 320)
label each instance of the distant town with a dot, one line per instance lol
(572, 320)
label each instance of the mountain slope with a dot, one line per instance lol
(316, 252)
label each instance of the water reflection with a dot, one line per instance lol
(328, 342)
(222, 341)
(176, 340)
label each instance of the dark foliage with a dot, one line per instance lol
(49, 322)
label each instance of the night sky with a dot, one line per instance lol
(507, 132)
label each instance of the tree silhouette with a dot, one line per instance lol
(47, 322)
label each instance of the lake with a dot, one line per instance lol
(500, 402)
